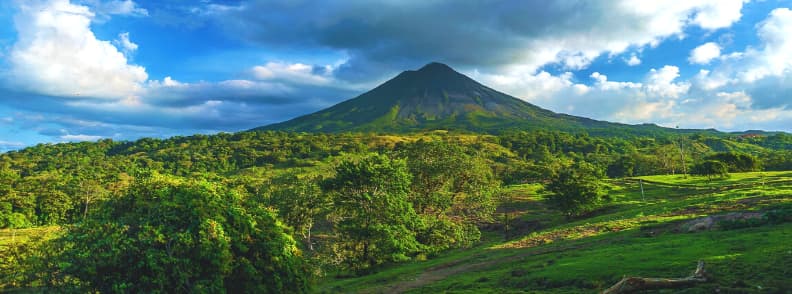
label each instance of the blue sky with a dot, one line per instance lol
(73, 70)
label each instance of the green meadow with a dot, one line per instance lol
(632, 234)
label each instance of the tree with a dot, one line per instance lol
(710, 169)
(171, 235)
(9, 218)
(576, 189)
(377, 221)
(452, 190)
(622, 167)
(299, 202)
(736, 162)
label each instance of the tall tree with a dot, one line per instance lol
(299, 202)
(453, 191)
(377, 221)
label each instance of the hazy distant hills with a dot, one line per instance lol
(438, 97)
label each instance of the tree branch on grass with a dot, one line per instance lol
(635, 284)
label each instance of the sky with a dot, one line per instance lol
(77, 70)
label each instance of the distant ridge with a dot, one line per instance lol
(438, 97)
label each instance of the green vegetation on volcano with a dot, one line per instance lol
(437, 97)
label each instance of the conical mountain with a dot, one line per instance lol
(438, 97)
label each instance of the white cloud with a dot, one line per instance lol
(659, 98)
(80, 137)
(126, 45)
(775, 57)
(298, 73)
(57, 54)
(705, 53)
(660, 83)
(633, 61)
(633, 24)
(764, 71)
(116, 7)
(718, 14)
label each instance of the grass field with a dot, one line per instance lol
(633, 234)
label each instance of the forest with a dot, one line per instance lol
(275, 212)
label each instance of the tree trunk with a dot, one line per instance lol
(635, 284)
(310, 243)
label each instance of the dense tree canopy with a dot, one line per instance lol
(171, 235)
(453, 189)
(376, 222)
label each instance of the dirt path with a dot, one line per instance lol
(440, 272)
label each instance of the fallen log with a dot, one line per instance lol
(635, 284)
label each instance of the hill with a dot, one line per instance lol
(737, 226)
(438, 97)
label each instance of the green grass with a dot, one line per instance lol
(633, 234)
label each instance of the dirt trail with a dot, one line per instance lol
(445, 270)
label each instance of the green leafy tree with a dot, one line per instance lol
(300, 202)
(622, 167)
(577, 189)
(9, 217)
(452, 190)
(711, 169)
(376, 220)
(170, 235)
(737, 162)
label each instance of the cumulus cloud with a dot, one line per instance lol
(705, 53)
(57, 54)
(775, 57)
(718, 14)
(660, 97)
(764, 71)
(125, 44)
(633, 61)
(660, 83)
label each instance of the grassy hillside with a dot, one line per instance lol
(638, 235)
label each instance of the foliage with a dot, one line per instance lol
(452, 189)
(455, 178)
(300, 202)
(710, 169)
(171, 235)
(576, 189)
(376, 222)
(736, 162)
